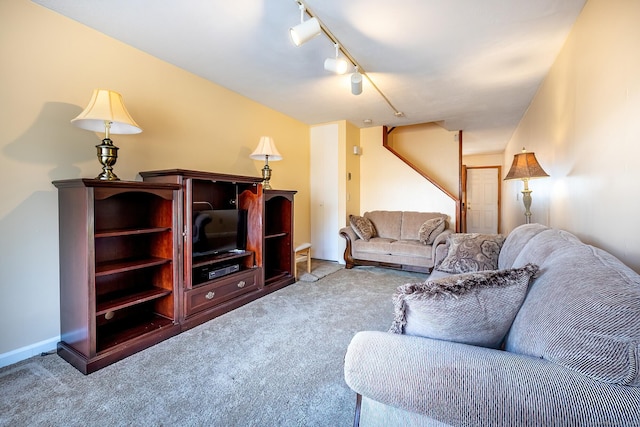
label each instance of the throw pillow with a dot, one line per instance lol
(362, 226)
(472, 308)
(470, 252)
(430, 230)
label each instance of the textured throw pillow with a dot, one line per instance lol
(470, 252)
(430, 230)
(471, 308)
(362, 226)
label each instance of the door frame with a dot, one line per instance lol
(465, 168)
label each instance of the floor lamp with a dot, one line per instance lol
(525, 166)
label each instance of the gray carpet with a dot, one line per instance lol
(274, 362)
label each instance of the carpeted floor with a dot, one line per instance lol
(274, 362)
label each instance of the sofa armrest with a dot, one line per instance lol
(350, 236)
(460, 384)
(441, 239)
(348, 233)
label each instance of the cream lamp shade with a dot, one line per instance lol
(266, 150)
(106, 106)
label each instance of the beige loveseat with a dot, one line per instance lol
(395, 241)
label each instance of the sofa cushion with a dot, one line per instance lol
(410, 248)
(582, 312)
(387, 223)
(412, 221)
(374, 245)
(543, 245)
(469, 252)
(362, 227)
(471, 308)
(430, 229)
(515, 241)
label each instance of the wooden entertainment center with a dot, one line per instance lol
(129, 274)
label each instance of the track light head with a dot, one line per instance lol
(336, 65)
(305, 30)
(356, 82)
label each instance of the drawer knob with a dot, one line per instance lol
(210, 295)
(241, 284)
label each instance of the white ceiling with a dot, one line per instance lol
(468, 64)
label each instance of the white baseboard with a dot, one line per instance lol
(23, 353)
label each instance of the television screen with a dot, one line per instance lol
(218, 230)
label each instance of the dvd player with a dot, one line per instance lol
(208, 272)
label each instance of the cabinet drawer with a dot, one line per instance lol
(220, 291)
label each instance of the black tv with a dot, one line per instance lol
(217, 231)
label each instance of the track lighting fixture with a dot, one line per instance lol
(336, 65)
(356, 82)
(305, 30)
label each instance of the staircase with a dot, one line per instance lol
(460, 220)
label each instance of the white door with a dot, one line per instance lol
(482, 200)
(325, 240)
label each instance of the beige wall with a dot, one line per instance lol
(483, 160)
(584, 126)
(432, 149)
(50, 65)
(386, 183)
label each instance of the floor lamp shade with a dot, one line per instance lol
(525, 166)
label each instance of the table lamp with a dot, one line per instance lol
(106, 112)
(266, 150)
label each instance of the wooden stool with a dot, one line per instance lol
(302, 253)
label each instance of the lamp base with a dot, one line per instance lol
(266, 176)
(107, 156)
(526, 199)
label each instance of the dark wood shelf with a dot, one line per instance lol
(113, 302)
(278, 259)
(274, 235)
(275, 276)
(118, 269)
(120, 266)
(130, 231)
(118, 333)
(219, 258)
(126, 283)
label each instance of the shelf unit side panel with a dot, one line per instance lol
(77, 272)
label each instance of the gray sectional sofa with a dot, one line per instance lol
(570, 357)
(395, 242)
